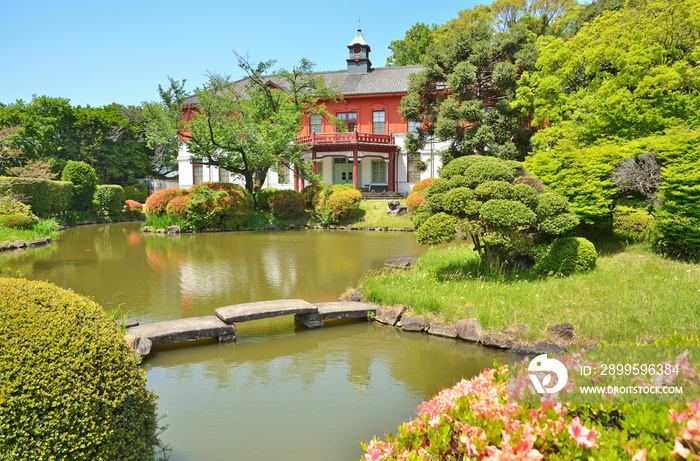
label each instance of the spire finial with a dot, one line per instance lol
(359, 27)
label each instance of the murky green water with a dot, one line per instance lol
(279, 391)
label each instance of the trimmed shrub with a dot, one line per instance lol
(494, 190)
(16, 221)
(218, 205)
(156, 203)
(568, 255)
(438, 228)
(551, 204)
(84, 182)
(438, 186)
(309, 194)
(631, 223)
(75, 391)
(133, 208)
(422, 185)
(178, 206)
(137, 192)
(526, 194)
(336, 203)
(533, 182)
(47, 198)
(460, 202)
(507, 213)
(414, 200)
(262, 198)
(287, 204)
(109, 199)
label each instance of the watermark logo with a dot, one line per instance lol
(542, 363)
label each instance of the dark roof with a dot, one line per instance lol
(381, 80)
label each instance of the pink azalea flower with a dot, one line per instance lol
(677, 417)
(582, 435)
(641, 455)
(680, 450)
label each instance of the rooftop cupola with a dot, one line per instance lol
(358, 60)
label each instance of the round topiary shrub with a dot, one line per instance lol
(414, 200)
(84, 182)
(287, 204)
(494, 190)
(631, 223)
(262, 197)
(461, 202)
(422, 185)
(70, 388)
(309, 193)
(336, 203)
(438, 228)
(133, 208)
(533, 182)
(568, 255)
(156, 203)
(109, 199)
(178, 205)
(218, 205)
(507, 213)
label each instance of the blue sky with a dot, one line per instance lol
(99, 51)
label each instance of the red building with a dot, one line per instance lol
(369, 155)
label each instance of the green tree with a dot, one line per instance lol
(246, 127)
(411, 50)
(84, 181)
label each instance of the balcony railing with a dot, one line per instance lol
(353, 137)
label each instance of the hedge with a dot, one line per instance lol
(130, 192)
(84, 180)
(337, 203)
(109, 199)
(70, 388)
(47, 198)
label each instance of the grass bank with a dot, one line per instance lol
(632, 295)
(41, 229)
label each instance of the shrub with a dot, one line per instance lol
(218, 205)
(438, 186)
(525, 194)
(84, 182)
(178, 206)
(422, 185)
(156, 203)
(109, 199)
(137, 192)
(262, 197)
(507, 213)
(414, 200)
(336, 203)
(287, 204)
(568, 255)
(16, 221)
(631, 223)
(75, 393)
(133, 209)
(533, 182)
(438, 228)
(460, 202)
(9, 205)
(494, 190)
(309, 193)
(47, 198)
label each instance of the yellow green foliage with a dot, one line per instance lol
(69, 387)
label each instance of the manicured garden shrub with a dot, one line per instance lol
(156, 203)
(218, 205)
(133, 208)
(309, 193)
(10, 205)
(137, 192)
(70, 388)
(525, 194)
(494, 190)
(422, 185)
(438, 186)
(460, 202)
(507, 213)
(414, 200)
(47, 198)
(337, 203)
(568, 255)
(287, 204)
(109, 199)
(262, 198)
(631, 223)
(16, 221)
(438, 228)
(533, 182)
(178, 206)
(84, 182)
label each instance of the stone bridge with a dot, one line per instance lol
(222, 324)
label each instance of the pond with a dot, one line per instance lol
(279, 391)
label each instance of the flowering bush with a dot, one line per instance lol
(421, 185)
(156, 203)
(178, 205)
(218, 205)
(336, 203)
(414, 200)
(133, 208)
(474, 420)
(16, 221)
(287, 204)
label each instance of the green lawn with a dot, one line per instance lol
(373, 214)
(632, 295)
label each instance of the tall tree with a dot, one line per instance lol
(246, 127)
(411, 50)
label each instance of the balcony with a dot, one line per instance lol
(345, 138)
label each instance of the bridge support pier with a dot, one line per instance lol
(309, 321)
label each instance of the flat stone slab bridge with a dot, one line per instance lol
(222, 324)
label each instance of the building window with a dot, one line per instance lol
(413, 171)
(198, 173)
(315, 121)
(340, 160)
(349, 118)
(413, 126)
(378, 171)
(378, 121)
(224, 175)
